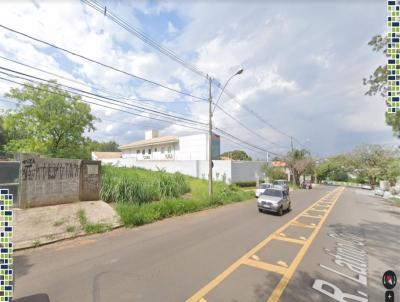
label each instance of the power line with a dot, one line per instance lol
(248, 129)
(145, 38)
(225, 133)
(94, 95)
(252, 112)
(90, 86)
(142, 36)
(100, 63)
(102, 105)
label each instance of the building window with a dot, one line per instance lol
(137, 151)
(149, 151)
(155, 149)
(169, 149)
(162, 150)
(143, 152)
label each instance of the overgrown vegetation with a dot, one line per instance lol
(139, 185)
(144, 196)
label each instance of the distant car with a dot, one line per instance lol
(379, 192)
(262, 188)
(366, 187)
(281, 184)
(306, 184)
(274, 200)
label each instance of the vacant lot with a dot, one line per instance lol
(144, 196)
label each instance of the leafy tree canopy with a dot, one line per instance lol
(49, 121)
(236, 155)
(377, 82)
(299, 161)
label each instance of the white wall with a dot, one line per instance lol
(192, 147)
(246, 170)
(224, 170)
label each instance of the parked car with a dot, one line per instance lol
(262, 188)
(306, 185)
(366, 187)
(281, 184)
(274, 200)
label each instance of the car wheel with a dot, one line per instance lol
(289, 207)
(280, 212)
(259, 210)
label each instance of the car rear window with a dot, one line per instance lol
(271, 192)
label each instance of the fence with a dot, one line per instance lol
(9, 178)
(36, 181)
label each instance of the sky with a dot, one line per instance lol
(303, 63)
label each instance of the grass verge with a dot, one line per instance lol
(395, 201)
(134, 214)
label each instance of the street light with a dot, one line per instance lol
(240, 71)
(210, 114)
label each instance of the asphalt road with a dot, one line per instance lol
(333, 244)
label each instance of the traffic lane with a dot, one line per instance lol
(358, 235)
(256, 272)
(179, 255)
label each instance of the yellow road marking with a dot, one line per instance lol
(276, 294)
(299, 224)
(282, 234)
(291, 240)
(255, 257)
(245, 258)
(266, 266)
(202, 300)
(318, 210)
(311, 216)
(313, 224)
(303, 238)
(282, 263)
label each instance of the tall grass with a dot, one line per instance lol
(132, 185)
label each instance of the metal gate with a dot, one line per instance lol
(9, 178)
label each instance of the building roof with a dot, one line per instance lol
(107, 155)
(278, 163)
(151, 142)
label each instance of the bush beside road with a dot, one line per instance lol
(143, 196)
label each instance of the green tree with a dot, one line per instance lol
(299, 161)
(274, 173)
(3, 138)
(372, 162)
(49, 121)
(236, 155)
(110, 146)
(333, 168)
(377, 82)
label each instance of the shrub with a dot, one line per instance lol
(244, 184)
(140, 186)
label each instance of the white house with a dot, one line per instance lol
(155, 147)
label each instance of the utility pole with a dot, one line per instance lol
(291, 142)
(210, 180)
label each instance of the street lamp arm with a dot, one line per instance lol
(223, 88)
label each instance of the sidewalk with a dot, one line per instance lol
(42, 225)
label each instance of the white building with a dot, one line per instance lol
(154, 147)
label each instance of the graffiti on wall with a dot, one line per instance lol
(32, 170)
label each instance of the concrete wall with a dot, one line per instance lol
(224, 170)
(246, 170)
(49, 181)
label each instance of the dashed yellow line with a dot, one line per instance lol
(266, 266)
(291, 240)
(286, 272)
(276, 294)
